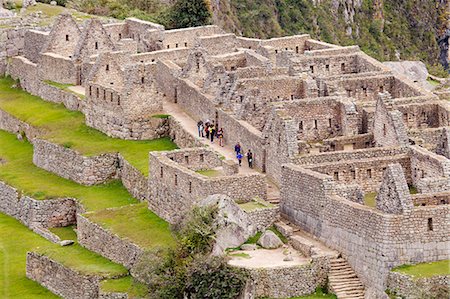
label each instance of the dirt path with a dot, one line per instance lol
(273, 192)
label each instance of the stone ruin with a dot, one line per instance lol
(328, 124)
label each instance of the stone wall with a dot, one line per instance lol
(439, 198)
(175, 188)
(37, 213)
(98, 239)
(132, 179)
(180, 136)
(70, 164)
(289, 281)
(61, 280)
(262, 218)
(15, 126)
(34, 41)
(372, 242)
(409, 287)
(57, 68)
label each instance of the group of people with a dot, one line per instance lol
(209, 130)
(239, 155)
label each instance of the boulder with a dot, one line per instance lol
(66, 242)
(270, 240)
(415, 71)
(234, 225)
(54, 3)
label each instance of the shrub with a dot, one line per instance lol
(190, 13)
(187, 271)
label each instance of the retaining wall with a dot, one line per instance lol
(37, 213)
(69, 164)
(409, 287)
(107, 244)
(61, 280)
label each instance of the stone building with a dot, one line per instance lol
(328, 124)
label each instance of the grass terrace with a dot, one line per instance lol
(137, 224)
(20, 172)
(65, 87)
(319, 294)
(16, 240)
(79, 258)
(68, 128)
(425, 269)
(254, 205)
(124, 285)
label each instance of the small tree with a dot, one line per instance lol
(190, 13)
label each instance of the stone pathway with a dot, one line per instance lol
(273, 192)
(343, 281)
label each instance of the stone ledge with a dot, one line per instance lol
(415, 288)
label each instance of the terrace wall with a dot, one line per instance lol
(37, 213)
(34, 41)
(407, 286)
(15, 126)
(98, 239)
(174, 188)
(372, 242)
(262, 218)
(57, 68)
(61, 280)
(289, 281)
(71, 165)
(132, 179)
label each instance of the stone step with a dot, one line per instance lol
(347, 288)
(349, 283)
(342, 277)
(350, 293)
(341, 272)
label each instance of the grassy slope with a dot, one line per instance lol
(68, 127)
(20, 172)
(425, 269)
(136, 223)
(16, 240)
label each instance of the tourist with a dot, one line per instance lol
(212, 132)
(250, 158)
(200, 128)
(237, 148)
(239, 157)
(207, 130)
(220, 136)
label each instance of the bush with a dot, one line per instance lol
(187, 271)
(189, 13)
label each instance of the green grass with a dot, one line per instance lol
(254, 239)
(211, 173)
(68, 127)
(425, 269)
(137, 224)
(65, 87)
(253, 205)
(65, 233)
(15, 241)
(124, 285)
(241, 254)
(20, 172)
(161, 116)
(433, 82)
(369, 199)
(79, 258)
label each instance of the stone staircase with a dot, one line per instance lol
(343, 281)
